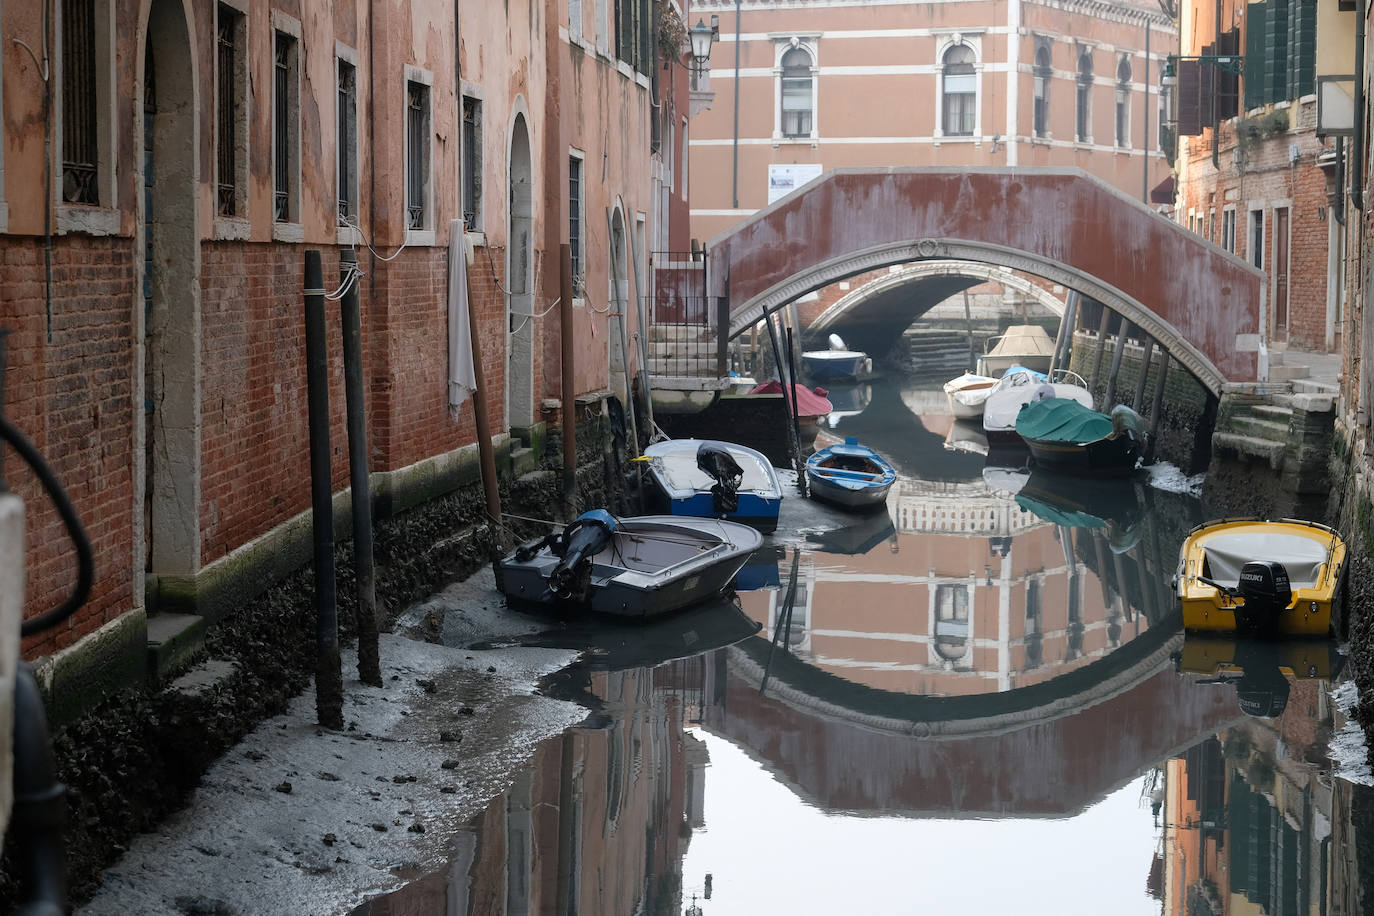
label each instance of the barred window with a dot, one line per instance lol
(417, 155)
(80, 136)
(472, 163)
(230, 61)
(348, 143)
(286, 133)
(575, 217)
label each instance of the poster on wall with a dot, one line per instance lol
(784, 179)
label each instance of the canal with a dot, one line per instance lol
(980, 700)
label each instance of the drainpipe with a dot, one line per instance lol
(734, 172)
(1013, 78)
(1357, 137)
(1145, 141)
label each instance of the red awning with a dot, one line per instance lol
(1163, 193)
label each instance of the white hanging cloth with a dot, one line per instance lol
(462, 377)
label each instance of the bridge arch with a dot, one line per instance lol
(1203, 304)
(856, 298)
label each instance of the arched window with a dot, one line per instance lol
(1123, 102)
(959, 92)
(1043, 72)
(797, 97)
(1083, 129)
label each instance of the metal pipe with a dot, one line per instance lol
(734, 171)
(350, 320)
(1357, 136)
(968, 323)
(569, 419)
(485, 451)
(1145, 140)
(40, 805)
(328, 678)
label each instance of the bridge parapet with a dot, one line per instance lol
(1203, 304)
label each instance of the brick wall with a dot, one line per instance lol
(72, 397)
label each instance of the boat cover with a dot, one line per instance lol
(809, 403)
(1024, 340)
(1062, 420)
(1003, 406)
(1301, 556)
(677, 465)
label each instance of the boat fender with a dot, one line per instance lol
(583, 539)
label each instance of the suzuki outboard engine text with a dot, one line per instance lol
(1267, 593)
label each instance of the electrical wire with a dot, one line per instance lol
(85, 564)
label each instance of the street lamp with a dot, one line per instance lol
(701, 36)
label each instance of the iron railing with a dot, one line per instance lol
(80, 151)
(226, 141)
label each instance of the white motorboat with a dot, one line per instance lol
(639, 567)
(1021, 386)
(967, 393)
(707, 478)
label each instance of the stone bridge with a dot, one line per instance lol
(1205, 306)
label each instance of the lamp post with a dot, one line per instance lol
(701, 36)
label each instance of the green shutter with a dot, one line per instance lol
(1303, 44)
(1254, 54)
(1276, 52)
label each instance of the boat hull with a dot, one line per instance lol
(1100, 458)
(681, 488)
(850, 475)
(1314, 554)
(995, 366)
(831, 365)
(869, 497)
(654, 565)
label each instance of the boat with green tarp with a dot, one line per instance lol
(1063, 435)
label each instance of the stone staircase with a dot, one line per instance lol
(937, 351)
(1288, 429)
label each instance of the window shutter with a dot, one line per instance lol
(1254, 54)
(1189, 98)
(1302, 25)
(1228, 84)
(1276, 52)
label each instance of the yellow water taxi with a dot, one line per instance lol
(1273, 578)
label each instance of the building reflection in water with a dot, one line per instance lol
(1251, 818)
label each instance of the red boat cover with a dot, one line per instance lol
(809, 403)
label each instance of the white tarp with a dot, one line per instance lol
(462, 376)
(1301, 556)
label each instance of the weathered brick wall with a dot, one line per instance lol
(72, 397)
(255, 438)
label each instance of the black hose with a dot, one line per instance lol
(39, 805)
(85, 565)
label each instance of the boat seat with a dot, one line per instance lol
(1225, 555)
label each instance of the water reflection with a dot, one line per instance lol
(981, 700)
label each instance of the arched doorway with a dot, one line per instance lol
(519, 270)
(168, 233)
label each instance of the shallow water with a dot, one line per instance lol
(978, 701)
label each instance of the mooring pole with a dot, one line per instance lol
(328, 677)
(1120, 351)
(1101, 345)
(968, 323)
(369, 655)
(1063, 341)
(485, 452)
(787, 392)
(1138, 402)
(565, 333)
(1157, 406)
(796, 425)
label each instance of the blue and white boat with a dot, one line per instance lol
(707, 478)
(850, 475)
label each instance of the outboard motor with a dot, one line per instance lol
(583, 539)
(727, 474)
(1267, 593)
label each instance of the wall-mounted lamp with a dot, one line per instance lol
(702, 35)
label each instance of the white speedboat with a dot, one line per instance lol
(629, 567)
(1021, 386)
(967, 393)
